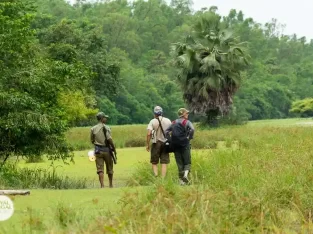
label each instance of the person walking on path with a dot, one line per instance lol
(154, 133)
(182, 132)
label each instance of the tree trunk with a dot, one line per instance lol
(14, 192)
(5, 159)
(212, 118)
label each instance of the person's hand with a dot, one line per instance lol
(148, 148)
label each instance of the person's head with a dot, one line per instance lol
(101, 117)
(158, 111)
(183, 113)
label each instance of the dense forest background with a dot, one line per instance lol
(115, 57)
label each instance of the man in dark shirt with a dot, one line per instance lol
(181, 144)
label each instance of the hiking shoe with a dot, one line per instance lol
(186, 180)
(181, 182)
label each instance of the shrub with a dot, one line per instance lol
(34, 159)
(13, 177)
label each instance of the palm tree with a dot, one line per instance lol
(210, 62)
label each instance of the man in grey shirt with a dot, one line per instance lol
(102, 152)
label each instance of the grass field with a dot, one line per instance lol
(127, 157)
(264, 185)
(281, 122)
(39, 210)
(84, 202)
(134, 135)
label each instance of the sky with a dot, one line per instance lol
(295, 15)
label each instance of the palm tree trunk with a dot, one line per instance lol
(212, 120)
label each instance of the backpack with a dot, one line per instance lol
(179, 134)
(168, 148)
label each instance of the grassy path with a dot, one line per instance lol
(86, 202)
(42, 207)
(128, 158)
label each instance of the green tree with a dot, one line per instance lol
(116, 54)
(304, 107)
(210, 62)
(30, 122)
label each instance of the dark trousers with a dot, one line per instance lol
(183, 160)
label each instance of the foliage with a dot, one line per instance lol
(210, 62)
(303, 107)
(75, 106)
(118, 54)
(13, 177)
(30, 123)
(114, 56)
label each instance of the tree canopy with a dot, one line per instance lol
(126, 47)
(61, 63)
(210, 61)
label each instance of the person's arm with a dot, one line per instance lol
(191, 129)
(111, 143)
(109, 139)
(149, 136)
(168, 130)
(92, 137)
(148, 139)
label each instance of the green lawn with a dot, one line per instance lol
(41, 205)
(82, 167)
(280, 122)
(270, 175)
(88, 202)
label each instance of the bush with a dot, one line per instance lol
(34, 159)
(135, 143)
(13, 177)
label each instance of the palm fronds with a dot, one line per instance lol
(210, 63)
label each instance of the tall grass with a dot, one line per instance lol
(170, 209)
(265, 186)
(12, 176)
(123, 136)
(266, 151)
(135, 136)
